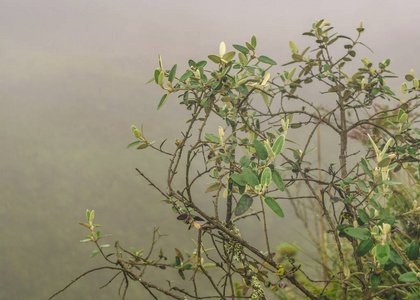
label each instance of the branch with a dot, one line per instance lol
(82, 275)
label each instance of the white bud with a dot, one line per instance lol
(222, 49)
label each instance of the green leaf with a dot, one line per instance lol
(186, 75)
(413, 250)
(363, 215)
(266, 99)
(386, 219)
(249, 46)
(242, 89)
(364, 247)
(254, 41)
(162, 101)
(156, 75)
(187, 266)
(266, 176)
(228, 56)
(358, 233)
(310, 150)
(181, 274)
(172, 73)
(362, 186)
(201, 64)
(143, 146)
(290, 75)
(214, 187)
(382, 253)
(242, 49)
(395, 256)
(192, 63)
(94, 253)
(212, 137)
(239, 179)
(278, 145)
(341, 227)
(274, 206)
(243, 204)
(408, 277)
(400, 113)
(348, 180)
(250, 177)
(177, 261)
(278, 181)
(87, 215)
(375, 279)
(105, 246)
(245, 160)
(389, 265)
(214, 58)
(365, 167)
(266, 60)
(260, 149)
(384, 162)
(133, 144)
(374, 92)
(409, 77)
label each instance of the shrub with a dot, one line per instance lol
(364, 205)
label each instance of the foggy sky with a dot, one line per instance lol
(72, 77)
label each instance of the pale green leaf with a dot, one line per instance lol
(133, 144)
(213, 187)
(266, 177)
(293, 47)
(212, 137)
(94, 253)
(214, 58)
(278, 145)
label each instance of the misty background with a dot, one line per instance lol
(72, 82)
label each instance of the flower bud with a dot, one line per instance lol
(221, 134)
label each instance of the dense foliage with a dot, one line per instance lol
(364, 211)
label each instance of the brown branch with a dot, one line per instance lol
(395, 286)
(82, 275)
